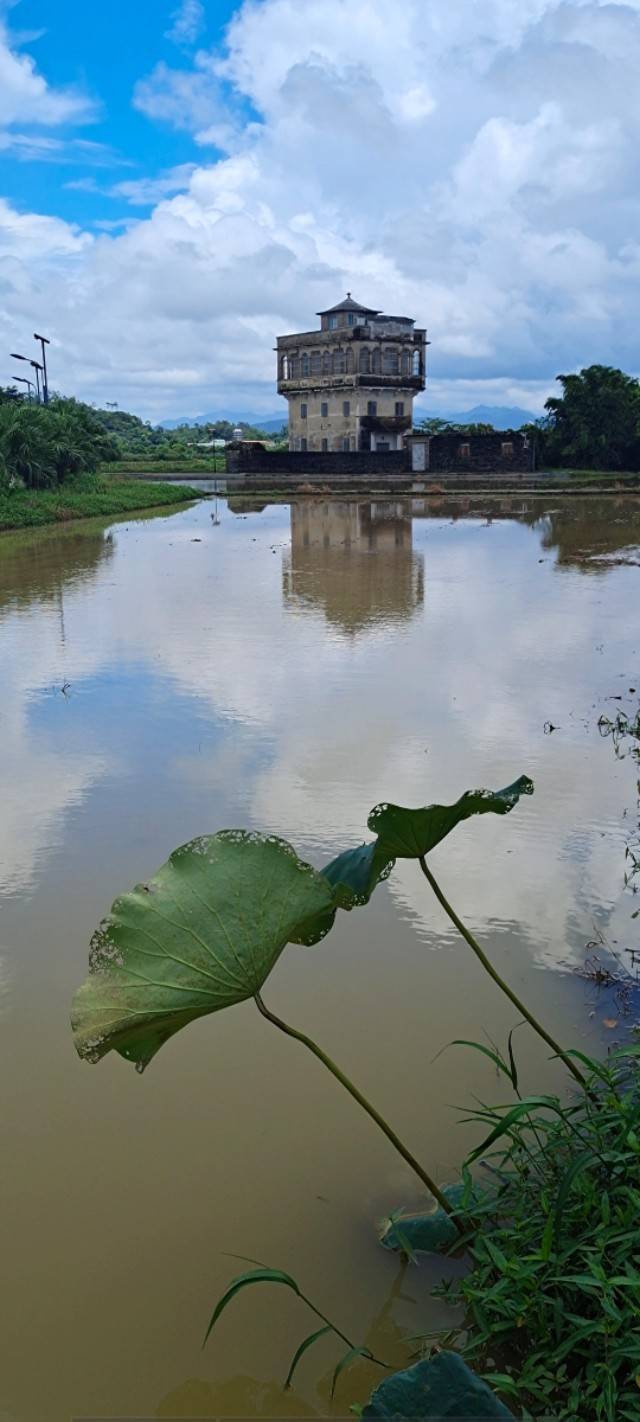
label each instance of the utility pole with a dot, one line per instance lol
(45, 383)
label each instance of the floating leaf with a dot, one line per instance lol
(300, 1352)
(409, 834)
(203, 934)
(441, 1388)
(252, 1276)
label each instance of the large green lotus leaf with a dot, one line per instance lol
(441, 1388)
(203, 934)
(408, 834)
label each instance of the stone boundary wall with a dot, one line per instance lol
(252, 457)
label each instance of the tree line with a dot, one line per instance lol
(593, 424)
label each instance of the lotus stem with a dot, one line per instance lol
(493, 973)
(362, 1101)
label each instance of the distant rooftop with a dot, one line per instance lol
(349, 305)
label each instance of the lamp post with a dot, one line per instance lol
(45, 383)
(37, 369)
(15, 355)
(22, 380)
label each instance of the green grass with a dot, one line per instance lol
(88, 496)
(147, 464)
(552, 1297)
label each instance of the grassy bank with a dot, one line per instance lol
(205, 468)
(85, 497)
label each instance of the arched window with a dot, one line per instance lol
(416, 367)
(375, 362)
(406, 362)
(326, 364)
(365, 362)
(349, 362)
(304, 362)
(390, 362)
(316, 363)
(284, 370)
(293, 367)
(338, 362)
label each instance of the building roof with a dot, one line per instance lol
(349, 305)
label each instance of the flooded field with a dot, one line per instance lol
(284, 668)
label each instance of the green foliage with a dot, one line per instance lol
(42, 445)
(624, 730)
(553, 1292)
(435, 426)
(138, 438)
(203, 934)
(595, 423)
(83, 496)
(440, 1387)
(410, 834)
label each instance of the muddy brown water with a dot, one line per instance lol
(284, 668)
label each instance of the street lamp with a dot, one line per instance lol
(45, 383)
(22, 380)
(37, 369)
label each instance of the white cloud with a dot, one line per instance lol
(474, 168)
(188, 22)
(25, 96)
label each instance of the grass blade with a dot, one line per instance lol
(346, 1362)
(299, 1353)
(253, 1276)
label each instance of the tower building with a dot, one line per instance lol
(351, 384)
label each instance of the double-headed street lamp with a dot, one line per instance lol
(37, 367)
(45, 383)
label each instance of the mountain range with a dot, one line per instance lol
(502, 417)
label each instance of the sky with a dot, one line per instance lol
(184, 180)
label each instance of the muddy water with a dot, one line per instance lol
(285, 669)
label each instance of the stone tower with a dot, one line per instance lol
(351, 384)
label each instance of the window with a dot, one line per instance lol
(338, 362)
(375, 362)
(303, 412)
(303, 446)
(349, 363)
(345, 443)
(390, 363)
(316, 362)
(406, 362)
(416, 364)
(326, 364)
(285, 368)
(365, 362)
(372, 407)
(324, 446)
(333, 323)
(464, 451)
(507, 449)
(350, 318)
(399, 407)
(346, 408)
(304, 364)
(324, 409)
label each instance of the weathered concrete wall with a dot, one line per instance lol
(251, 457)
(503, 451)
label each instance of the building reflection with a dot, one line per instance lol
(355, 561)
(42, 564)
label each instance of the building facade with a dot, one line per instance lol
(350, 386)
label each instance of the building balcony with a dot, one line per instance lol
(303, 384)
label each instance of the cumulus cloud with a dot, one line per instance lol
(25, 95)
(188, 22)
(475, 170)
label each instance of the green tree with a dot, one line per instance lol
(595, 423)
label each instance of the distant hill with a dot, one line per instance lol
(502, 417)
(273, 423)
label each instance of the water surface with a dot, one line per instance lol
(284, 668)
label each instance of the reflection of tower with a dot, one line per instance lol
(355, 561)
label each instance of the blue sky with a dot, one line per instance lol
(180, 182)
(103, 51)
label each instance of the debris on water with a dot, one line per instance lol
(66, 686)
(196, 540)
(549, 727)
